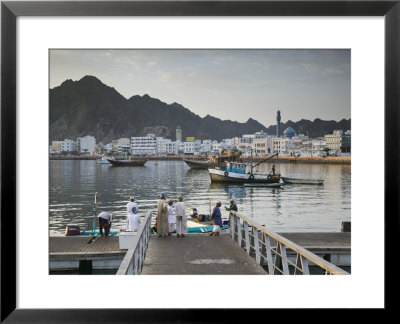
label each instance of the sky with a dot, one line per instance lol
(228, 84)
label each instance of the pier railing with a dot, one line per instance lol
(132, 263)
(274, 252)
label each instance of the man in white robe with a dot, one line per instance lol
(171, 218)
(181, 223)
(133, 222)
(129, 207)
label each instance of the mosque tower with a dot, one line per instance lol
(278, 124)
(178, 133)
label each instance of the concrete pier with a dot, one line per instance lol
(193, 254)
(197, 254)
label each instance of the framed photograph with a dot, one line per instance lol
(46, 43)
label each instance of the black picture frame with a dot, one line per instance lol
(10, 10)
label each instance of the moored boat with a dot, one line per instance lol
(103, 160)
(302, 181)
(138, 162)
(211, 162)
(243, 173)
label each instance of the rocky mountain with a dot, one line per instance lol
(89, 107)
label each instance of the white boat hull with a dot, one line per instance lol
(226, 176)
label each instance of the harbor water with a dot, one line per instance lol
(290, 208)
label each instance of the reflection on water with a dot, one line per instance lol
(291, 208)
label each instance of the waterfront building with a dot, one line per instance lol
(144, 145)
(243, 143)
(114, 146)
(318, 147)
(55, 147)
(86, 144)
(181, 146)
(109, 147)
(259, 146)
(206, 147)
(276, 145)
(345, 147)
(227, 144)
(68, 146)
(334, 142)
(178, 133)
(171, 147)
(216, 147)
(191, 147)
(306, 148)
(124, 146)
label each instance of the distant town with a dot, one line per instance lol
(286, 143)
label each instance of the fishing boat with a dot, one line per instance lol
(128, 162)
(103, 160)
(302, 181)
(243, 173)
(211, 162)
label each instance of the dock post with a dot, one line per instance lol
(246, 235)
(269, 253)
(239, 232)
(256, 245)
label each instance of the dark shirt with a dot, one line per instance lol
(233, 207)
(216, 216)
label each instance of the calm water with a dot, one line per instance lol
(292, 208)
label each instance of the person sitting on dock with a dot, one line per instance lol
(105, 220)
(162, 216)
(181, 224)
(216, 219)
(171, 218)
(133, 222)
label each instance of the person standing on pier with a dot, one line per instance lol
(162, 216)
(171, 218)
(181, 224)
(231, 207)
(216, 219)
(105, 220)
(129, 207)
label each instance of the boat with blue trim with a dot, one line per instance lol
(243, 173)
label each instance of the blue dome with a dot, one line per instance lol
(289, 132)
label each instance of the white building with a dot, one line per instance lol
(109, 147)
(206, 147)
(192, 147)
(124, 146)
(334, 141)
(216, 147)
(228, 143)
(86, 144)
(145, 145)
(243, 143)
(318, 147)
(69, 146)
(171, 147)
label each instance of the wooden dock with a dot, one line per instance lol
(193, 254)
(71, 253)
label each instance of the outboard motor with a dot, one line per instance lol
(72, 229)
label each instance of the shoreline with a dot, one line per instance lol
(280, 159)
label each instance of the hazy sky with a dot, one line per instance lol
(228, 84)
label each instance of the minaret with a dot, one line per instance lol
(278, 124)
(178, 133)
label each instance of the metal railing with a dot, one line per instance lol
(132, 263)
(274, 252)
